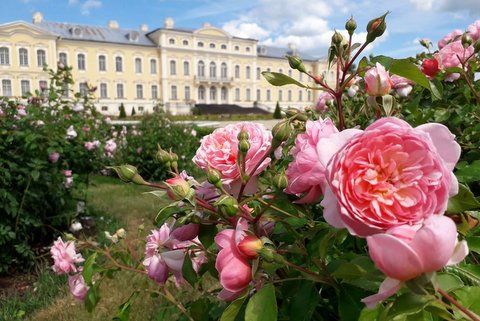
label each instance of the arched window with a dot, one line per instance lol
(213, 70)
(138, 65)
(212, 45)
(224, 94)
(118, 64)
(153, 66)
(81, 62)
(269, 95)
(224, 47)
(249, 94)
(259, 97)
(186, 68)
(185, 42)
(213, 93)
(4, 56)
(258, 73)
(200, 44)
(201, 69)
(289, 95)
(171, 41)
(237, 71)
(280, 95)
(201, 93)
(102, 63)
(247, 72)
(23, 55)
(62, 58)
(173, 67)
(223, 70)
(309, 95)
(300, 95)
(41, 58)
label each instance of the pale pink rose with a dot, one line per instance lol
(77, 286)
(68, 183)
(67, 173)
(233, 267)
(324, 98)
(71, 133)
(21, 111)
(406, 252)
(219, 150)
(306, 174)
(449, 56)
(402, 86)
(451, 37)
(85, 129)
(65, 257)
(89, 146)
(110, 147)
(391, 175)
(377, 81)
(474, 30)
(53, 157)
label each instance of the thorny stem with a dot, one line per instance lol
(318, 277)
(467, 312)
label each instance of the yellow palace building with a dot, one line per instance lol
(174, 67)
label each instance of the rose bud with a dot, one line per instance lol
(430, 67)
(249, 246)
(296, 62)
(178, 188)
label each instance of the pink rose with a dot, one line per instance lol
(68, 182)
(449, 56)
(306, 173)
(67, 173)
(324, 98)
(77, 286)
(110, 147)
(89, 146)
(474, 30)
(402, 86)
(219, 150)
(65, 257)
(451, 37)
(390, 175)
(377, 81)
(406, 252)
(53, 158)
(232, 266)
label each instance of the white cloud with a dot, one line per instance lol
(88, 5)
(422, 4)
(245, 29)
(72, 2)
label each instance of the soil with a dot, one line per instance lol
(16, 284)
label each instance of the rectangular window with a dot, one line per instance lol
(153, 66)
(7, 87)
(83, 89)
(103, 91)
(43, 85)
(249, 94)
(186, 68)
(81, 62)
(62, 58)
(289, 95)
(138, 65)
(102, 63)
(4, 56)
(237, 94)
(140, 109)
(104, 108)
(174, 93)
(120, 91)
(25, 87)
(258, 95)
(154, 92)
(173, 67)
(41, 58)
(300, 95)
(247, 72)
(118, 64)
(139, 91)
(187, 92)
(65, 90)
(23, 56)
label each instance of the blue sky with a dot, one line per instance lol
(307, 23)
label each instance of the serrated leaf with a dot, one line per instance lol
(449, 282)
(279, 79)
(468, 273)
(407, 69)
(468, 173)
(262, 306)
(407, 304)
(463, 201)
(166, 212)
(232, 310)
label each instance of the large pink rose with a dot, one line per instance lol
(219, 150)
(77, 286)
(449, 56)
(306, 173)
(377, 81)
(402, 86)
(391, 175)
(324, 98)
(474, 30)
(452, 36)
(65, 257)
(232, 266)
(406, 252)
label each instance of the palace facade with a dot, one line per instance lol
(168, 66)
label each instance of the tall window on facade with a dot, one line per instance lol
(154, 92)
(173, 67)
(186, 68)
(237, 71)
(41, 58)
(23, 56)
(62, 58)
(258, 73)
(173, 94)
(201, 69)
(139, 91)
(153, 66)
(259, 95)
(223, 70)
(4, 56)
(237, 94)
(201, 93)
(213, 70)
(138, 65)
(103, 91)
(83, 88)
(224, 94)
(289, 95)
(25, 87)
(309, 95)
(81, 62)
(213, 93)
(269, 95)
(300, 95)
(102, 63)
(249, 94)
(247, 72)
(120, 93)
(43, 85)
(280, 95)
(65, 90)
(118, 64)
(187, 92)
(7, 87)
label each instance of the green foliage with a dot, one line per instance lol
(277, 114)
(123, 113)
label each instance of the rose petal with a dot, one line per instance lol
(388, 288)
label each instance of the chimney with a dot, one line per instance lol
(169, 23)
(292, 48)
(113, 24)
(144, 27)
(37, 17)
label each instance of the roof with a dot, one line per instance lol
(276, 52)
(94, 33)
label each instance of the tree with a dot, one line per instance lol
(277, 114)
(133, 111)
(123, 114)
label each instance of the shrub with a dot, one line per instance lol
(123, 113)
(277, 114)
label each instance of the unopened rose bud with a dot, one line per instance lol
(292, 112)
(280, 181)
(281, 132)
(318, 79)
(179, 188)
(466, 40)
(337, 38)
(243, 146)
(351, 25)
(227, 204)
(242, 135)
(425, 43)
(430, 67)
(162, 155)
(376, 28)
(213, 176)
(249, 246)
(296, 63)
(128, 173)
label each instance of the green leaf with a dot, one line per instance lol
(349, 271)
(473, 243)
(232, 310)
(468, 173)
(124, 308)
(92, 298)
(383, 60)
(407, 69)
(362, 65)
(349, 303)
(278, 79)
(166, 212)
(35, 175)
(437, 89)
(463, 201)
(88, 268)
(449, 282)
(262, 306)
(469, 298)
(369, 314)
(304, 302)
(207, 234)
(407, 304)
(188, 272)
(468, 273)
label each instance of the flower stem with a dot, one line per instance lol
(467, 312)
